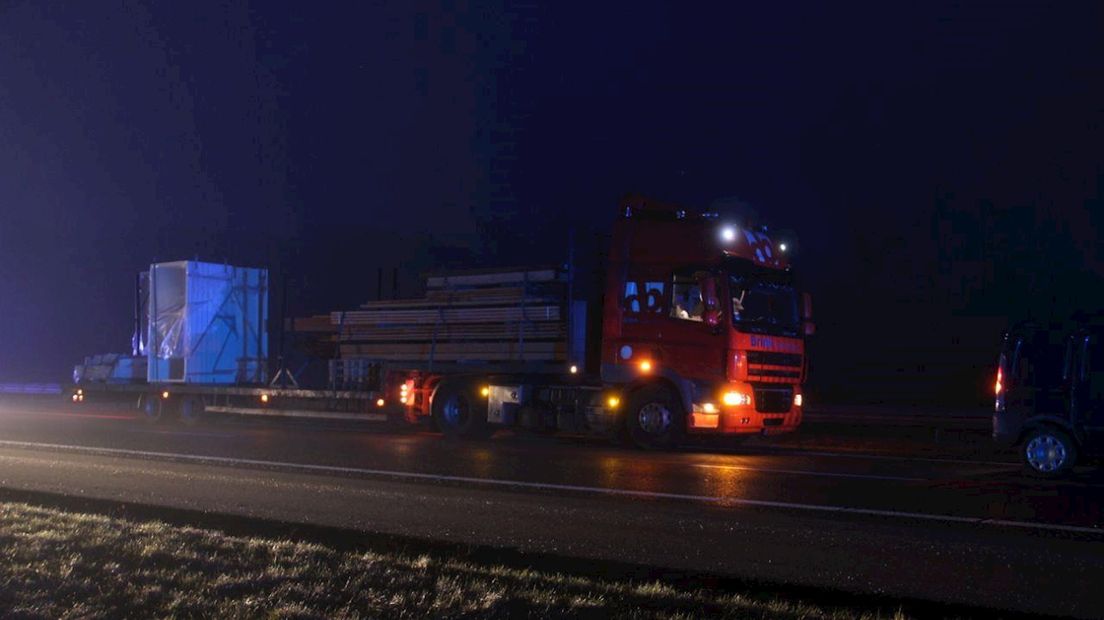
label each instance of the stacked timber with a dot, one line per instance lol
(316, 324)
(489, 316)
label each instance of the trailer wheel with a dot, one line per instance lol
(154, 408)
(460, 411)
(192, 411)
(654, 419)
(1048, 452)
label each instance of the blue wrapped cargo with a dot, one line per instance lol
(207, 324)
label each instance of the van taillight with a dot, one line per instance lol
(999, 386)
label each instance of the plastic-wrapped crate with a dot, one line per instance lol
(207, 323)
(111, 368)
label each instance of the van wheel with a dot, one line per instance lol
(460, 411)
(1048, 452)
(654, 418)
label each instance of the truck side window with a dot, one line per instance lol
(686, 299)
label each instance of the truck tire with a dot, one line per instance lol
(192, 411)
(654, 418)
(460, 411)
(155, 409)
(1048, 452)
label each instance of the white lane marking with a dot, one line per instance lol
(547, 486)
(824, 474)
(149, 431)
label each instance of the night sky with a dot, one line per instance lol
(940, 163)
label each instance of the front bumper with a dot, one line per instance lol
(744, 420)
(765, 409)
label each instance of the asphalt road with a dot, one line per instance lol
(965, 530)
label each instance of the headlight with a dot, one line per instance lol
(733, 399)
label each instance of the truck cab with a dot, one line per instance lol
(703, 327)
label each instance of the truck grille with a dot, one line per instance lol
(767, 365)
(773, 399)
(771, 358)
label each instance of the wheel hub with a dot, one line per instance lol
(1046, 453)
(654, 418)
(455, 411)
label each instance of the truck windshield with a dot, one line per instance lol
(764, 306)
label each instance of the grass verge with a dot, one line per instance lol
(57, 564)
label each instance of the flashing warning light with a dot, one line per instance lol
(782, 246)
(709, 408)
(999, 385)
(728, 234)
(574, 369)
(799, 400)
(733, 399)
(485, 392)
(645, 366)
(165, 394)
(264, 398)
(613, 402)
(380, 402)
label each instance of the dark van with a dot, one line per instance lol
(1049, 384)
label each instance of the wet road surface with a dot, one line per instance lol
(965, 530)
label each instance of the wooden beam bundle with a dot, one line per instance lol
(451, 352)
(487, 316)
(458, 331)
(491, 278)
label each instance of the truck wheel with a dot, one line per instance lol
(460, 411)
(1048, 452)
(654, 418)
(192, 411)
(155, 409)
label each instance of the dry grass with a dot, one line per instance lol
(57, 564)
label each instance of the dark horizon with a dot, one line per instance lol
(940, 164)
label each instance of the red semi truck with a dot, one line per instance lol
(699, 329)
